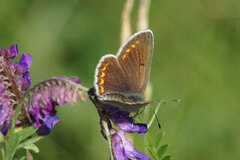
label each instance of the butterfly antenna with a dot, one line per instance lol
(159, 126)
(171, 100)
(154, 116)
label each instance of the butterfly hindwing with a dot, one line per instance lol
(109, 77)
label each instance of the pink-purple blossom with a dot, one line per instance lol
(46, 96)
(14, 79)
(123, 149)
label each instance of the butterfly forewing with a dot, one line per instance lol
(135, 58)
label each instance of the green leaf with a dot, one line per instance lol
(23, 158)
(32, 147)
(159, 138)
(162, 150)
(19, 158)
(168, 157)
(3, 153)
(15, 138)
(152, 152)
(29, 141)
(13, 141)
(25, 133)
(150, 141)
(11, 148)
(1, 137)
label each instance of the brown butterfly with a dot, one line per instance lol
(121, 80)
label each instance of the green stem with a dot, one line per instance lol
(104, 125)
(109, 138)
(9, 155)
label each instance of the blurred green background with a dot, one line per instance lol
(196, 59)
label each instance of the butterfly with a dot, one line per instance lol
(121, 79)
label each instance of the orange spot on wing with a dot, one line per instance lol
(103, 74)
(133, 45)
(124, 56)
(101, 82)
(128, 50)
(137, 42)
(101, 89)
(104, 68)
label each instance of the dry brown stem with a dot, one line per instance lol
(143, 11)
(126, 20)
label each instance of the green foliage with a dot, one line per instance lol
(196, 58)
(29, 142)
(167, 157)
(31, 147)
(157, 150)
(23, 139)
(14, 141)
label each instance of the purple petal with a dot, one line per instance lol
(58, 94)
(2, 88)
(7, 117)
(14, 51)
(118, 148)
(4, 110)
(129, 149)
(122, 120)
(23, 83)
(49, 123)
(17, 68)
(28, 80)
(74, 79)
(26, 59)
(6, 53)
(5, 128)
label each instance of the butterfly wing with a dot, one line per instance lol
(135, 59)
(109, 77)
(127, 73)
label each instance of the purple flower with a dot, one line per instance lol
(11, 85)
(47, 95)
(123, 149)
(124, 122)
(14, 50)
(9, 53)
(21, 67)
(48, 123)
(26, 59)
